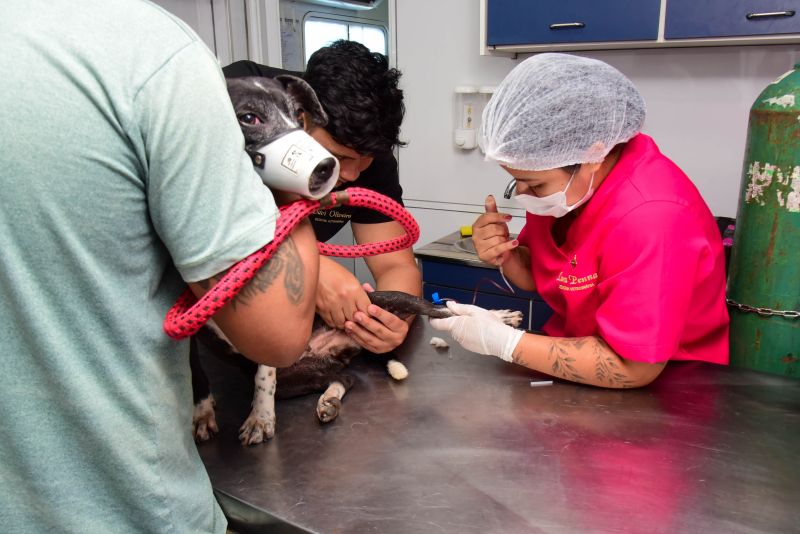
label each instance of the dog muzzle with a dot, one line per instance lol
(296, 163)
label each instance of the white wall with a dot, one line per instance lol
(698, 102)
(222, 24)
(198, 15)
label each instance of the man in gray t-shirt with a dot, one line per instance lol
(123, 177)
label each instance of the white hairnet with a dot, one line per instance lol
(555, 110)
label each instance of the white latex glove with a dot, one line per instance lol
(479, 330)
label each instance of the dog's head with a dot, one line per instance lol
(272, 113)
(268, 107)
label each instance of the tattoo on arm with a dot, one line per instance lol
(563, 360)
(564, 353)
(606, 367)
(285, 258)
(294, 281)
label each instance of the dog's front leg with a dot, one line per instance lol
(260, 424)
(204, 422)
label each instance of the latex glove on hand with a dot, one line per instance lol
(479, 330)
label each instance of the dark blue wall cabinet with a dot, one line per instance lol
(518, 22)
(522, 26)
(454, 273)
(482, 287)
(687, 19)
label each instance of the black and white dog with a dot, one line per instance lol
(266, 108)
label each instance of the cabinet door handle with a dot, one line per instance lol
(769, 14)
(567, 25)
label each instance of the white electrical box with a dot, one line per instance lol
(465, 117)
(468, 104)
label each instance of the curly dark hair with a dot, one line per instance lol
(359, 92)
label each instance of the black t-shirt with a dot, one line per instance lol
(381, 176)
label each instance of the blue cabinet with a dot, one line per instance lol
(692, 19)
(519, 22)
(520, 26)
(459, 275)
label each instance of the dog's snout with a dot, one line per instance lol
(321, 175)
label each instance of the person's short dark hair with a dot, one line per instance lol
(359, 92)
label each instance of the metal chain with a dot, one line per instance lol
(767, 312)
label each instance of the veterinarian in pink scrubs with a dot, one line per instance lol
(617, 239)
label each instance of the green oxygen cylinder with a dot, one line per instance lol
(764, 279)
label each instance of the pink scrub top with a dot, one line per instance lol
(642, 266)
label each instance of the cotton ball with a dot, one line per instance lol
(439, 343)
(397, 370)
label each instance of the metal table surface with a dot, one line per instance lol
(465, 444)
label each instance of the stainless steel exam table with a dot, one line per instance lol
(467, 445)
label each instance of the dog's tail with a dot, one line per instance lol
(403, 304)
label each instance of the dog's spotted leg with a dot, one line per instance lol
(204, 423)
(260, 424)
(509, 317)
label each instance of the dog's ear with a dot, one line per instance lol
(304, 99)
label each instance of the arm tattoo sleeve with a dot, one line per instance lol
(577, 359)
(606, 367)
(286, 258)
(564, 354)
(563, 360)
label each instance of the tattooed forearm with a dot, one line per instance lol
(606, 367)
(565, 353)
(561, 351)
(587, 360)
(287, 259)
(294, 282)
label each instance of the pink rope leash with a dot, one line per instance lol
(188, 314)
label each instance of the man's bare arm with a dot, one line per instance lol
(270, 320)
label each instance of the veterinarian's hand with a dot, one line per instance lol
(339, 294)
(490, 234)
(378, 330)
(479, 330)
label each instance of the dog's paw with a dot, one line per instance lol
(397, 370)
(509, 317)
(257, 429)
(328, 409)
(204, 422)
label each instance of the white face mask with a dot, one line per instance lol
(554, 205)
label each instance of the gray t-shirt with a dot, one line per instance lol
(122, 173)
